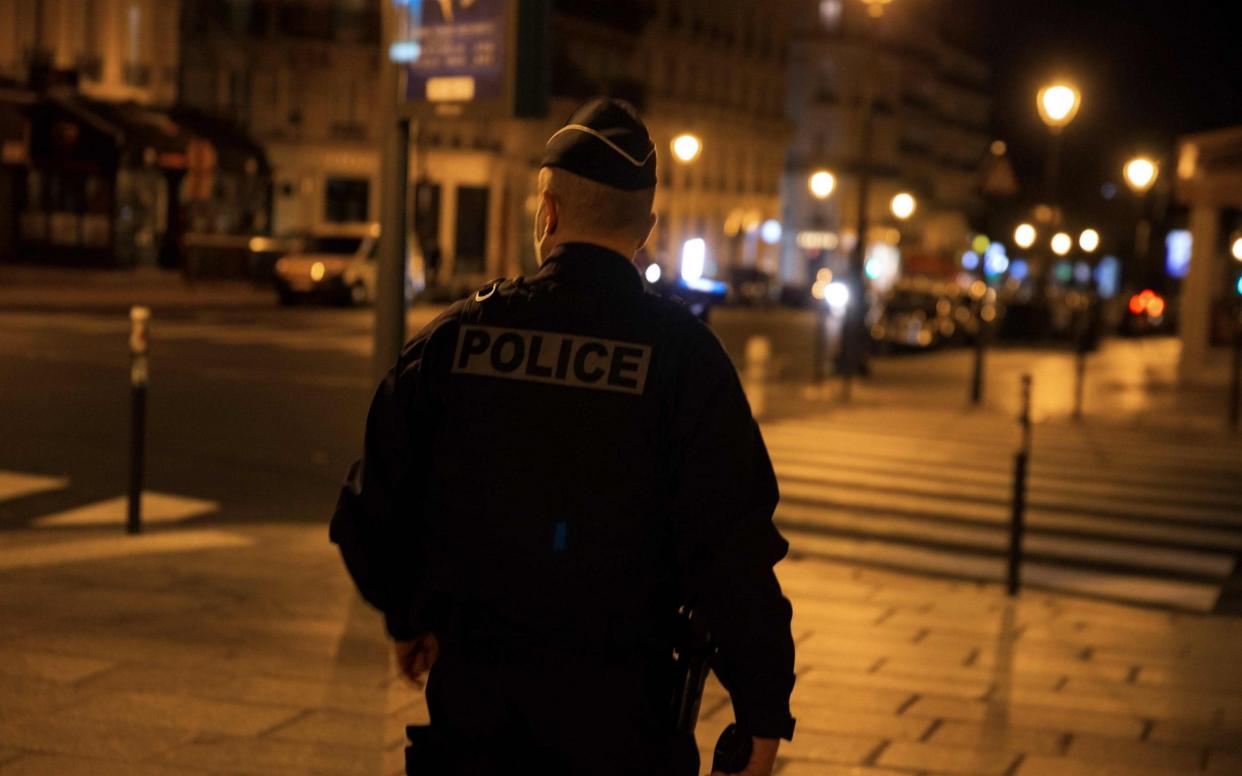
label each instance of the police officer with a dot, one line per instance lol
(552, 468)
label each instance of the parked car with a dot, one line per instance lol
(920, 317)
(336, 266)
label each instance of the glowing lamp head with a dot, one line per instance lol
(837, 295)
(693, 259)
(1058, 104)
(1024, 236)
(1062, 243)
(1089, 240)
(903, 205)
(317, 271)
(652, 273)
(1236, 249)
(687, 147)
(770, 231)
(821, 183)
(1141, 174)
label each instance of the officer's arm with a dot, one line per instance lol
(724, 496)
(378, 516)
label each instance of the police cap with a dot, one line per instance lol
(605, 140)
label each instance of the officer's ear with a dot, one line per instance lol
(651, 222)
(551, 212)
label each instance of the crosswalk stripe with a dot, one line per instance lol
(969, 458)
(79, 550)
(1038, 499)
(995, 539)
(930, 492)
(999, 473)
(156, 508)
(1001, 435)
(17, 485)
(1196, 596)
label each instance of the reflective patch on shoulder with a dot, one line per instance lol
(546, 357)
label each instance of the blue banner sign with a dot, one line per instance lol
(453, 51)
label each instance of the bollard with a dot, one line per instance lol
(139, 318)
(820, 344)
(1016, 527)
(976, 384)
(758, 357)
(1080, 359)
(1235, 382)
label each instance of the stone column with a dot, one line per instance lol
(1196, 301)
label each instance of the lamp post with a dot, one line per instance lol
(1140, 174)
(1058, 104)
(821, 184)
(853, 346)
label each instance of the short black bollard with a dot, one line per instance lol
(1235, 382)
(976, 383)
(1017, 520)
(139, 318)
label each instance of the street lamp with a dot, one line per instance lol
(1058, 104)
(1089, 240)
(1024, 236)
(1236, 248)
(903, 205)
(1141, 174)
(821, 183)
(1061, 243)
(687, 147)
(853, 349)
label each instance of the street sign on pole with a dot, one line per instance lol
(477, 58)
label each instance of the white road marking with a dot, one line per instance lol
(17, 485)
(79, 550)
(156, 508)
(1124, 587)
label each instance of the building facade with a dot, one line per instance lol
(100, 166)
(120, 50)
(1209, 183)
(929, 115)
(306, 90)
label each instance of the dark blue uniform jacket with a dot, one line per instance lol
(577, 456)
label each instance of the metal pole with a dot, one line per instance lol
(976, 383)
(1080, 362)
(391, 260)
(1235, 383)
(856, 311)
(139, 317)
(820, 344)
(1017, 519)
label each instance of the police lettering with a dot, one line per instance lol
(547, 357)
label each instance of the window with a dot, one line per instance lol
(346, 200)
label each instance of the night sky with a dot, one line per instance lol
(1149, 70)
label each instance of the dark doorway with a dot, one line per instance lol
(471, 254)
(425, 218)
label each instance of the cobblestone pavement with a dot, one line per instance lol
(256, 657)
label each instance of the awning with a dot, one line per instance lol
(147, 136)
(231, 149)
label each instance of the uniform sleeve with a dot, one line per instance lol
(377, 522)
(724, 495)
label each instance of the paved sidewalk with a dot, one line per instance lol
(260, 659)
(56, 288)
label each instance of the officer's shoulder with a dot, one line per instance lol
(679, 323)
